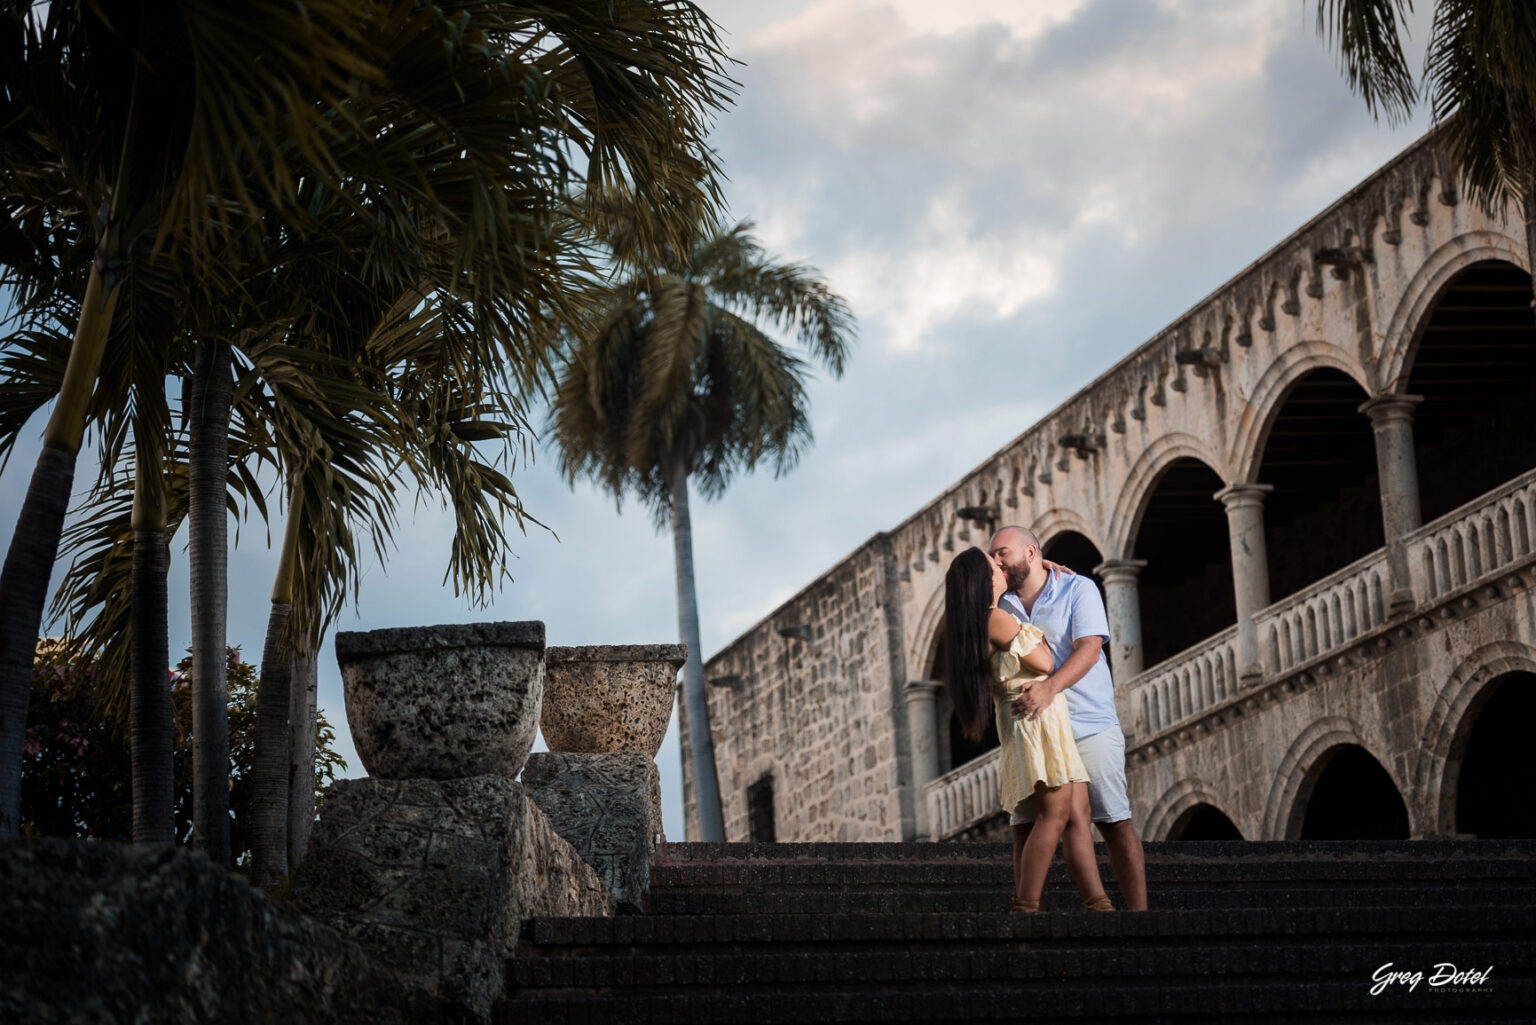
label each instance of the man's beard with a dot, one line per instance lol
(1016, 575)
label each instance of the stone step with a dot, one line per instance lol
(1063, 897)
(1452, 924)
(1283, 1001)
(931, 874)
(749, 933)
(1206, 850)
(1099, 963)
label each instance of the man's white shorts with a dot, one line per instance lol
(1104, 758)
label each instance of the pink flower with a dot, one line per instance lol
(31, 748)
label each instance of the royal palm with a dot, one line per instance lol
(678, 382)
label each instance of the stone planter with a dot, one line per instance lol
(443, 702)
(610, 697)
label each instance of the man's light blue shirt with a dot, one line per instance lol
(1069, 608)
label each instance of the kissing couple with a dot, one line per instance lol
(1026, 644)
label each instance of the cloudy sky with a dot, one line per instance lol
(1011, 195)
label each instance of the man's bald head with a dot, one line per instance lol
(1017, 550)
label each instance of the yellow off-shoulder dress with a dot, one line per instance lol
(1033, 751)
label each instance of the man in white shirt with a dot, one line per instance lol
(1070, 613)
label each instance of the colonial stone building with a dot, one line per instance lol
(1310, 503)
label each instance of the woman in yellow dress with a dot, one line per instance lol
(991, 656)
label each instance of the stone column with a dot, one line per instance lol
(1123, 604)
(1250, 568)
(1398, 471)
(923, 724)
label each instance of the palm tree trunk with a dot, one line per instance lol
(269, 775)
(302, 712)
(149, 657)
(208, 544)
(35, 544)
(701, 747)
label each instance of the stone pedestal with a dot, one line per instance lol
(608, 807)
(435, 877)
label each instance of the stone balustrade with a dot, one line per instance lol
(1325, 615)
(1181, 686)
(963, 797)
(1475, 540)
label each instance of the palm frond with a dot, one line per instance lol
(1367, 34)
(1480, 73)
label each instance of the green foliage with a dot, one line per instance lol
(77, 769)
(1479, 78)
(678, 377)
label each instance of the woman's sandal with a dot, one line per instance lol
(1098, 902)
(1020, 904)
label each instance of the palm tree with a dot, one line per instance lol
(293, 101)
(1479, 77)
(677, 381)
(105, 105)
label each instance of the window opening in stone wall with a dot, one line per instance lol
(1475, 365)
(1496, 790)
(760, 811)
(1186, 589)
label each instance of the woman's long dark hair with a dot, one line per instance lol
(967, 601)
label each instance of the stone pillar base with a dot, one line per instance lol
(435, 877)
(608, 807)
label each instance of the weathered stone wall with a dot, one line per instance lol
(1403, 693)
(822, 716)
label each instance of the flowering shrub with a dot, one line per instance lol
(77, 768)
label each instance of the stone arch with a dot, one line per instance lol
(926, 634)
(1424, 289)
(1269, 395)
(1442, 744)
(1056, 521)
(1184, 795)
(1139, 484)
(1284, 807)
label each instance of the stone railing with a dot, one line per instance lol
(1471, 542)
(1325, 615)
(1182, 686)
(961, 798)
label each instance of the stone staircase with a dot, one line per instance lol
(1283, 932)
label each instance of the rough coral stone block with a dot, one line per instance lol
(435, 878)
(607, 806)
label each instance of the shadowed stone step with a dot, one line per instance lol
(1293, 932)
(930, 874)
(1063, 897)
(1205, 850)
(1255, 1000)
(682, 930)
(1084, 964)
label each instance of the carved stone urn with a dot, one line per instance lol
(443, 702)
(610, 697)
